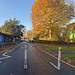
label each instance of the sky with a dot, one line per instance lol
(20, 9)
(70, 1)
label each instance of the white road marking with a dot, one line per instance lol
(5, 56)
(5, 53)
(59, 60)
(54, 65)
(25, 66)
(72, 66)
(25, 60)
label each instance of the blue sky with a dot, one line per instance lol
(20, 9)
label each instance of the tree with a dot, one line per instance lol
(55, 19)
(12, 27)
(0, 29)
(49, 24)
(17, 31)
(9, 25)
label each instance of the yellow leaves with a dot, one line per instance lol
(37, 1)
(43, 9)
(39, 28)
(49, 17)
(39, 7)
(34, 10)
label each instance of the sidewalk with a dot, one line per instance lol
(6, 47)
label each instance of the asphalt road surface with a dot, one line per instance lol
(27, 59)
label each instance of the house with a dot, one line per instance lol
(5, 38)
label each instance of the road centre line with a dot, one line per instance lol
(25, 60)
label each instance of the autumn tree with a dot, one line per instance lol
(49, 17)
(55, 19)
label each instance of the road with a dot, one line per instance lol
(27, 59)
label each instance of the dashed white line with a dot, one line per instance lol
(25, 60)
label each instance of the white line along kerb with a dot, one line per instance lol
(59, 60)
